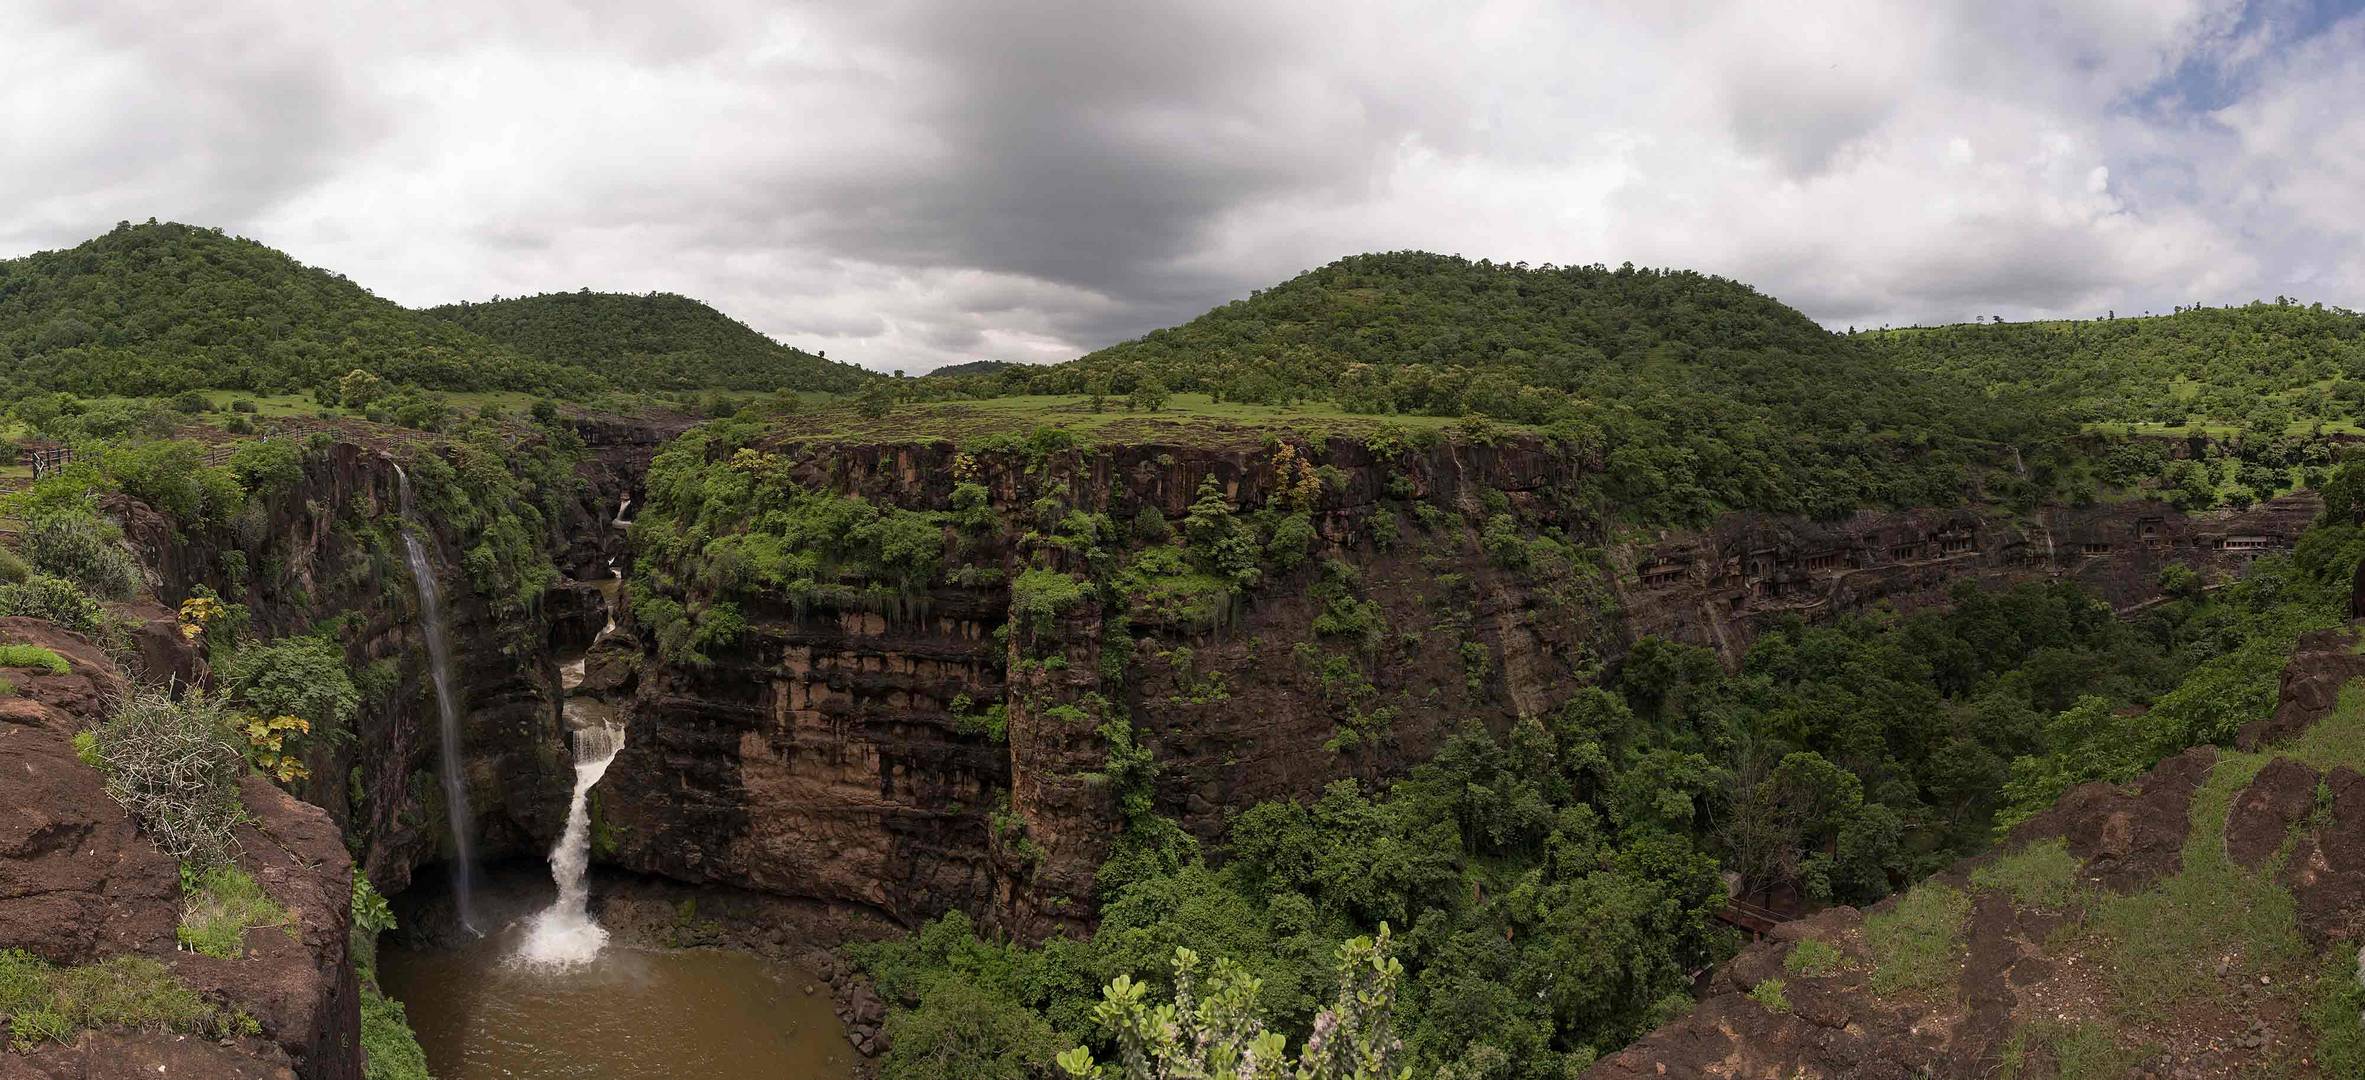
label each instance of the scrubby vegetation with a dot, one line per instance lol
(170, 762)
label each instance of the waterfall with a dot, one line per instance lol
(564, 934)
(439, 665)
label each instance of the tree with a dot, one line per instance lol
(359, 388)
(876, 401)
(1149, 395)
(1213, 1031)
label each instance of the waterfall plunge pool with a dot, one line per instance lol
(631, 1012)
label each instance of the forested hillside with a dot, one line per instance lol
(2259, 368)
(1704, 394)
(657, 341)
(161, 308)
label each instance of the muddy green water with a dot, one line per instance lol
(632, 1013)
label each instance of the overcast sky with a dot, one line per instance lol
(913, 184)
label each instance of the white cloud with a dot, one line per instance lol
(909, 184)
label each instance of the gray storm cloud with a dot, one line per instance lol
(913, 184)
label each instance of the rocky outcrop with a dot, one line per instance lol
(80, 883)
(2027, 974)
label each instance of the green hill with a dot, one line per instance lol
(159, 308)
(2260, 366)
(1703, 393)
(657, 341)
(973, 367)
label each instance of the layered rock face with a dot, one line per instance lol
(834, 754)
(80, 883)
(1717, 586)
(823, 755)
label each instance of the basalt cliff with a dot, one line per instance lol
(832, 750)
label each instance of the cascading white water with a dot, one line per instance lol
(565, 934)
(439, 670)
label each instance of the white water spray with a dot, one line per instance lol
(565, 934)
(439, 669)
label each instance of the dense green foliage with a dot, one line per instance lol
(724, 519)
(2261, 366)
(656, 341)
(1558, 881)
(1699, 393)
(160, 308)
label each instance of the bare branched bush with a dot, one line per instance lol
(172, 764)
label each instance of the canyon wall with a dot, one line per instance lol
(835, 752)
(327, 549)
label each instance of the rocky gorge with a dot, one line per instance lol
(865, 759)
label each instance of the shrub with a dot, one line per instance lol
(82, 548)
(268, 465)
(12, 568)
(191, 402)
(294, 676)
(59, 601)
(961, 1032)
(172, 765)
(46, 1002)
(219, 905)
(33, 656)
(1769, 994)
(1041, 596)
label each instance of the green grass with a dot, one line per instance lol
(2216, 430)
(2043, 876)
(220, 905)
(34, 657)
(1191, 418)
(2080, 1051)
(1916, 944)
(1814, 959)
(44, 1002)
(1769, 994)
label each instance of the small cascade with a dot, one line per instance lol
(439, 669)
(565, 934)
